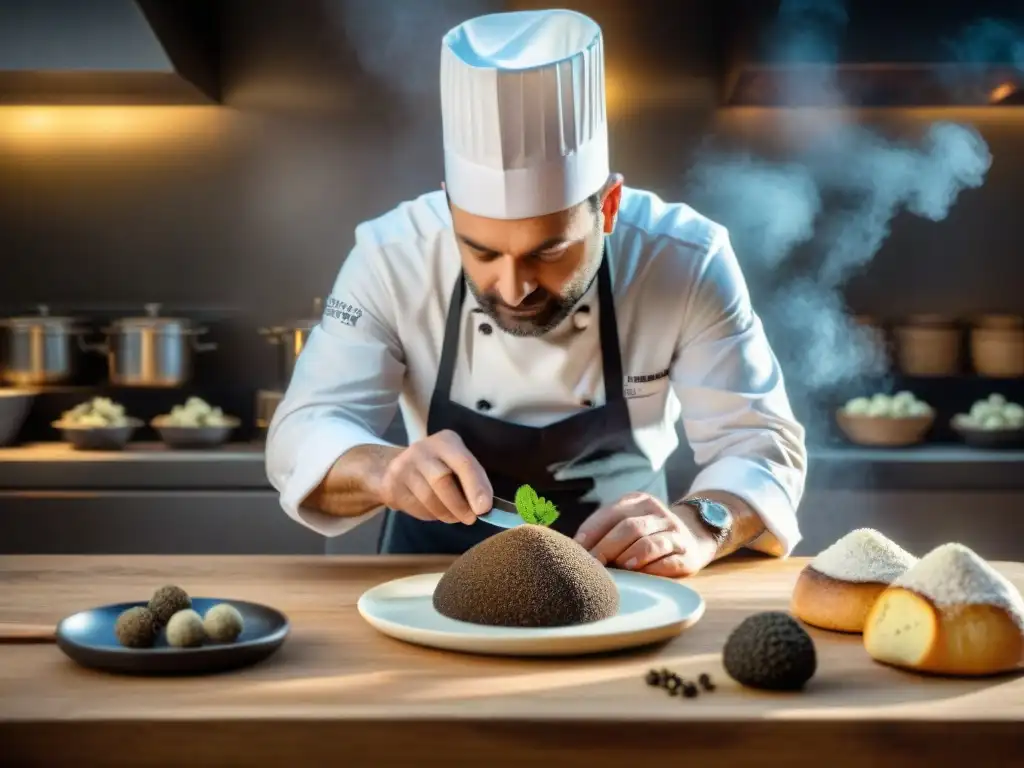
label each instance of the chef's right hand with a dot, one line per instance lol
(437, 478)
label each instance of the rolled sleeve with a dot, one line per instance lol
(736, 414)
(757, 483)
(321, 447)
(343, 393)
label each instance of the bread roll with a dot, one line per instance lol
(951, 614)
(837, 589)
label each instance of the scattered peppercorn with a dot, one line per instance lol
(674, 685)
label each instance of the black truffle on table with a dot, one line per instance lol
(527, 576)
(770, 650)
(136, 627)
(167, 601)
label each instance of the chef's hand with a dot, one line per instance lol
(640, 533)
(437, 478)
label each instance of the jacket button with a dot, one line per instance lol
(483, 405)
(588, 403)
(582, 318)
(486, 329)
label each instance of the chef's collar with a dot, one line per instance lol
(582, 316)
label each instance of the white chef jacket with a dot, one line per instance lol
(692, 348)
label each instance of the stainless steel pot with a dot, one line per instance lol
(151, 351)
(40, 349)
(292, 339)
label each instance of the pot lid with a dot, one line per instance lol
(43, 317)
(152, 319)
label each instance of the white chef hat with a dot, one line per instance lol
(523, 108)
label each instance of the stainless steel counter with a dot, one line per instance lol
(151, 466)
(148, 466)
(148, 500)
(929, 467)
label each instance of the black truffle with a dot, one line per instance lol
(771, 651)
(167, 601)
(136, 627)
(528, 576)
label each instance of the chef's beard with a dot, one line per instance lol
(546, 310)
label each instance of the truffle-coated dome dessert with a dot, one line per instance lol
(527, 576)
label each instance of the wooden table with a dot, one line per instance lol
(339, 693)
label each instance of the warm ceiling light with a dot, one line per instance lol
(1002, 92)
(79, 127)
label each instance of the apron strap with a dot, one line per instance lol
(611, 355)
(450, 346)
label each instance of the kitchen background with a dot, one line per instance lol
(849, 190)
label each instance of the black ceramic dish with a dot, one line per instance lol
(194, 437)
(88, 639)
(989, 438)
(98, 438)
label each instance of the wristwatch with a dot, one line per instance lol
(715, 516)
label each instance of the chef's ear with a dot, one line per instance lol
(611, 197)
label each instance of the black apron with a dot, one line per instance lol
(597, 441)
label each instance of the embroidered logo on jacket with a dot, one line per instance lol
(341, 311)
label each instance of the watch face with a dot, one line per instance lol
(716, 515)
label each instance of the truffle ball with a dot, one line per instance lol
(136, 627)
(770, 650)
(185, 629)
(527, 576)
(167, 601)
(223, 623)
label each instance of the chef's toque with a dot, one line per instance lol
(523, 110)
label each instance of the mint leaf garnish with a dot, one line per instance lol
(534, 509)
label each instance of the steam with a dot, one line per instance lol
(988, 40)
(399, 41)
(803, 228)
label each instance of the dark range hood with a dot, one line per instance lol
(875, 53)
(108, 52)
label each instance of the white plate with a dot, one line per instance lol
(652, 609)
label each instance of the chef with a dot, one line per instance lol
(539, 323)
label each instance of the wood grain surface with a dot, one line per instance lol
(340, 693)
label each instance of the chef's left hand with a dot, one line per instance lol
(640, 533)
